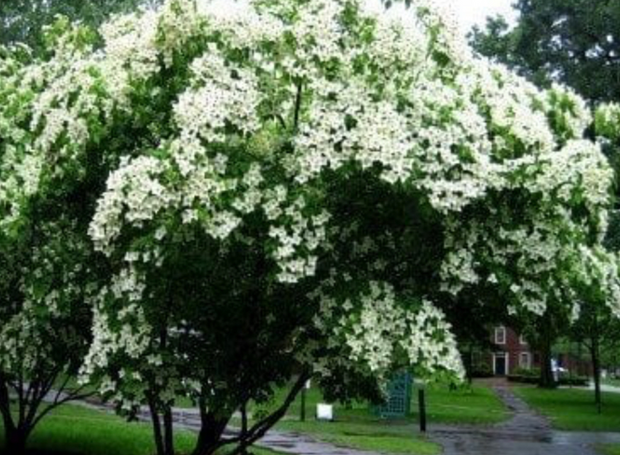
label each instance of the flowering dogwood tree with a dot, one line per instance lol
(46, 274)
(295, 188)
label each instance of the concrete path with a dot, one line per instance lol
(526, 433)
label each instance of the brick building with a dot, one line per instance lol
(511, 352)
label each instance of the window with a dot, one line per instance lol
(525, 360)
(522, 340)
(500, 335)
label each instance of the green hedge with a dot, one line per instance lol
(523, 379)
(578, 381)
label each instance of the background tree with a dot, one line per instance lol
(597, 328)
(570, 41)
(49, 184)
(574, 42)
(598, 331)
(47, 272)
(23, 21)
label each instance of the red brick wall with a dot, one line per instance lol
(512, 348)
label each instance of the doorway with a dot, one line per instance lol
(500, 364)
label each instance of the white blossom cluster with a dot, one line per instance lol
(376, 332)
(607, 121)
(220, 99)
(132, 335)
(38, 330)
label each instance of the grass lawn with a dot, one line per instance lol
(355, 426)
(573, 409)
(611, 449)
(467, 405)
(390, 437)
(78, 430)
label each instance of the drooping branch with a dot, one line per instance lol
(297, 105)
(75, 395)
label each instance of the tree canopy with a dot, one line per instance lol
(288, 189)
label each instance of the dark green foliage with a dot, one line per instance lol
(575, 42)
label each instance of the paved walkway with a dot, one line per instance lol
(526, 433)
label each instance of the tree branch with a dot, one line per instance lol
(259, 429)
(297, 106)
(73, 396)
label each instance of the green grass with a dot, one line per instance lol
(355, 426)
(388, 437)
(468, 405)
(609, 449)
(75, 429)
(573, 409)
(78, 430)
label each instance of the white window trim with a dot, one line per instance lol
(522, 340)
(498, 330)
(528, 355)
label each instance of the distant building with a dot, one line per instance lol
(508, 351)
(511, 352)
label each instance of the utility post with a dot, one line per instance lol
(422, 409)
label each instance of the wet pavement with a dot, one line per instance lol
(526, 433)
(304, 445)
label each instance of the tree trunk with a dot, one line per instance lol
(470, 364)
(5, 407)
(547, 380)
(16, 441)
(168, 431)
(159, 441)
(596, 372)
(211, 431)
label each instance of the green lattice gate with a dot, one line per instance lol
(398, 401)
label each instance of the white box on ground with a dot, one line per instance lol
(324, 411)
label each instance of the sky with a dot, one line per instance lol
(468, 12)
(474, 12)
